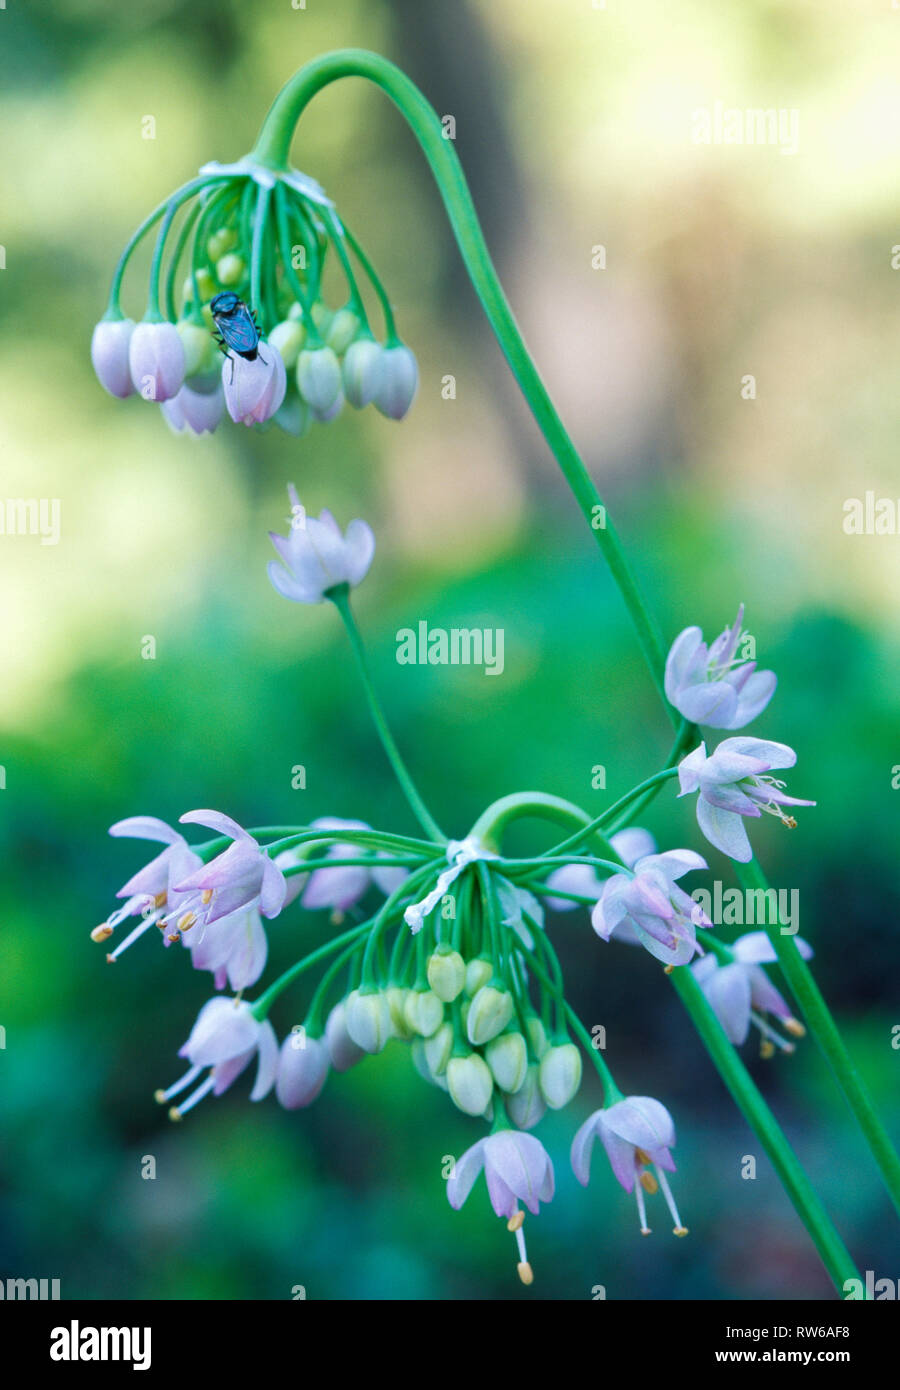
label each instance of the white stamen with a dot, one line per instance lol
(670, 1200)
(520, 1242)
(769, 1032)
(197, 1095)
(177, 1086)
(133, 935)
(641, 1206)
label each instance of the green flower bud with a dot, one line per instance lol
(478, 972)
(205, 284)
(446, 974)
(396, 998)
(527, 1106)
(221, 241)
(288, 337)
(423, 1066)
(319, 378)
(342, 330)
(491, 1010)
(507, 1057)
(560, 1074)
(293, 416)
(438, 1048)
(361, 367)
(536, 1035)
(231, 269)
(470, 1083)
(201, 356)
(296, 311)
(368, 1020)
(423, 1012)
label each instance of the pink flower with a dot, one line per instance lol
(316, 557)
(109, 354)
(734, 782)
(398, 378)
(254, 390)
(302, 1070)
(710, 686)
(649, 907)
(241, 875)
(637, 1133)
(517, 1168)
(225, 1038)
(740, 991)
(149, 892)
(198, 411)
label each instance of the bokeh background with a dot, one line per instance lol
(574, 124)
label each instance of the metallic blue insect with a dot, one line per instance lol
(238, 330)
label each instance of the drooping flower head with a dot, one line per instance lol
(517, 1168)
(649, 907)
(734, 782)
(316, 557)
(713, 686)
(637, 1134)
(740, 992)
(225, 1039)
(312, 356)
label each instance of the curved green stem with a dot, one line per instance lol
(832, 1250)
(491, 824)
(823, 1028)
(265, 1001)
(273, 148)
(340, 597)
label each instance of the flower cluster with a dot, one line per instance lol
(254, 244)
(450, 952)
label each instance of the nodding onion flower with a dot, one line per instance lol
(713, 686)
(637, 1134)
(517, 1168)
(223, 1042)
(264, 236)
(734, 782)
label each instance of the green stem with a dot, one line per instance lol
(832, 1251)
(340, 597)
(540, 805)
(823, 1028)
(273, 148)
(265, 1001)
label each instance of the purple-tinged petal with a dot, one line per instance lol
(216, 820)
(725, 830)
(146, 828)
(674, 863)
(359, 542)
(268, 1061)
(685, 663)
(690, 768)
(633, 844)
(772, 754)
(274, 888)
(728, 993)
(582, 1145)
(713, 704)
(465, 1171)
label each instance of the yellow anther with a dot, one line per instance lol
(515, 1221)
(159, 1097)
(102, 933)
(680, 1231)
(667, 970)
(110, 960)
(795, 1027)
(173, 936)
(525, 1272)
(159, 900)
(648, 1183)
(174, 1113)
(643, 1157)
(789, 822)
(206, 895)
(645, 1231)
(766, 1049)
(185, 922)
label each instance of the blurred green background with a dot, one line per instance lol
(574, 126)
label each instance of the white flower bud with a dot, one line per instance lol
(397, 997)
(478, 972)
(423, 1011)
(489, 1014)
(438, 1048)
(507, 1057)
(325, 417)
(368, 1018)
(470, 1083)
(319, 378)
(536, 1035)
(230, 270)
(423, 1066)
(288, 337)
(560, 1074)
(342, 330)
(446, 974)
(398, 379)
(361, 368)
(527, 1106)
